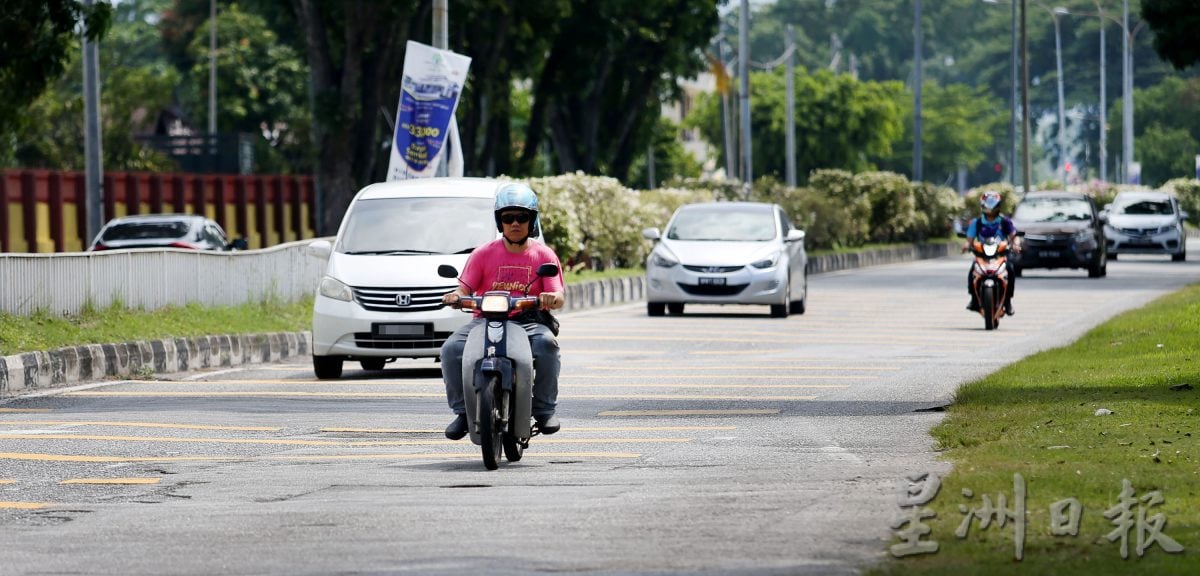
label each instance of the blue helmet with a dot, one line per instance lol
(990, 200)
(517, 195)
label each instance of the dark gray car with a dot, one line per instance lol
(1060, 230)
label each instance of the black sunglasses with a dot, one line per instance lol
(522, 218)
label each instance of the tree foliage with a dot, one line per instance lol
(1174, 23)
(1167, 129)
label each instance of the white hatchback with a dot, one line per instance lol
(1145, 222)
(381, 296)
(727, 253)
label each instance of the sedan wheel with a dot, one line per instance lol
(327, 367)
(675, 308)
(655, 308)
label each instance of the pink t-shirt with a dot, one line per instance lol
(493, 267)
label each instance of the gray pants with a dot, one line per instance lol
(545, 367)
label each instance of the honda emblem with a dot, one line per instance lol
(403, 299)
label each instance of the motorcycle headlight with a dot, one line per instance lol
(767, 262)
(662, 260)
(494, 303)
(331, 288)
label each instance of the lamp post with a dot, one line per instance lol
(1062, 117)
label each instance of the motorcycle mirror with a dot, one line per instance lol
(447, 271)
(546, 270)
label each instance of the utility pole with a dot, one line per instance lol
(1062, 118)
(1103, 108)
(441, 41)
(1024, 99)
(1126, 98)
(790, 134)
(1012, 127)
(917, 81)
(94, 171)
(212, 72)
(744, 72)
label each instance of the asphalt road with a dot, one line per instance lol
(722, 441)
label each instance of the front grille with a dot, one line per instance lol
(713, 290)
(369, 340)
(1046, 241)
(713, 269)
(1138, 231)
(421, 299)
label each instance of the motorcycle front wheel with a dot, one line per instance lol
(989, 308)
(490, 427)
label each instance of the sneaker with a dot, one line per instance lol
(1008, 309)
(973, 306)
(458, 428)
(547, 424)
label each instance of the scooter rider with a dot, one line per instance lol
(510, 263)
(991, 224)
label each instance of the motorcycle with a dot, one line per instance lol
(498, 372)
(991, 278)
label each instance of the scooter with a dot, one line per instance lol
(498, 372)
(991, 278)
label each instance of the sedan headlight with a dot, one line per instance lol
(662, 260)
(767, 262)
(331, 288)
(1082, 236)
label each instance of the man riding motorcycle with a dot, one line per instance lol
(990, 224)
(510, 263)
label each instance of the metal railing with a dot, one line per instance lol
(65, 283)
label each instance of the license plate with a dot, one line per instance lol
(402, 329)
(1049, 254)
(707, 281)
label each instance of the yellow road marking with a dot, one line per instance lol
(23, 505)
(111, 481)
(285, 442)
(23, 410)
(250, 394)
(734, 412)
(737, 376)
(294, 458)
(804, 338)
(565, 430)
(139, 425)
(8, 481)
(736, 367)
(439, 384)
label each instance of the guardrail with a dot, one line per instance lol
(65, 283)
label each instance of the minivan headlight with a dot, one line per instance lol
(331, 288)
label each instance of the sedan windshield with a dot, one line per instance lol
(1146, 208)
(1053, 210)
(145, 230)
(725, 224)
(404, 226)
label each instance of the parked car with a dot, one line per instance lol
(1060, 230)
(187, 231)
(381, 295)
(1145, 223)
(727, 253)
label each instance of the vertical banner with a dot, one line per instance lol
(1198, 166)
(1135, 173)
(429, 91)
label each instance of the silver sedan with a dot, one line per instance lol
(727, 253)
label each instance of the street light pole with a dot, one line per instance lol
(917, 80)
(1012, 127)
(744, 97)
(1126, 97)
(94, 167)
(1062, 119)
(790, 113)
(1024, 98)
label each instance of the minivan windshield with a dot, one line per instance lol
(724, 224)
(418, 226)
(1053, 210)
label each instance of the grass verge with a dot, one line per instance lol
(1037, 418)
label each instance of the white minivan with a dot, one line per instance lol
(381, 296)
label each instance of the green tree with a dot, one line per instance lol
(36, 39)
(262, 88)
(1174, 23)
(959, 127)
(671, 160)
(135, 84)
(1165, 114)
(1166, 152)
(841, 123)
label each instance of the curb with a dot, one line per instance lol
(34, 371)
